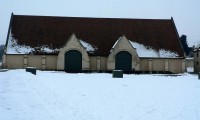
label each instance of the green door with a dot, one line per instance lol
(123, 61)
(73, 61)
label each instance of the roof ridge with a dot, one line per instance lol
(92, 17)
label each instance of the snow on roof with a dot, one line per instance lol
(88, 47)
(116, 42)
(143, 51)
(166, 53)
(189, 58)
(47, 49)
(14, 48)
(196, 49)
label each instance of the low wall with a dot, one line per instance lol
(98, 63)
(158, 64)
(174, 65)
(42, 62)
(49, 62)
(144, 65)
(14, 62)
(34, 61)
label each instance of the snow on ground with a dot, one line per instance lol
(51, 95)
(190, 69)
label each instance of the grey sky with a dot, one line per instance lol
(186, 13)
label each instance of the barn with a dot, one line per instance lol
(76, 44)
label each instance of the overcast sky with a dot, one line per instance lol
(186, 13)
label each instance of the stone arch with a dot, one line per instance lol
(122, 44)
(73, 44)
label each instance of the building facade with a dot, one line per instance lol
(93, 44)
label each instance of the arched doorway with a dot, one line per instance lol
(73, 61)
(123, 61)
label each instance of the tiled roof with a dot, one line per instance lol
(101, 32)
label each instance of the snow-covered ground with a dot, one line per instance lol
(190, 69)
(51, 95)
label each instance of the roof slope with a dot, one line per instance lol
(51, 31)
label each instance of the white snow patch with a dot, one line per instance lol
(116, 42)
(190, 69)
(31, 67)
(143, 51)
(15, 48)
(89, 47)
(189, 58)
(47, 49)
(51, 95)
(167, 53)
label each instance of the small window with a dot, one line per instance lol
(197, 54)
(197, 63)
